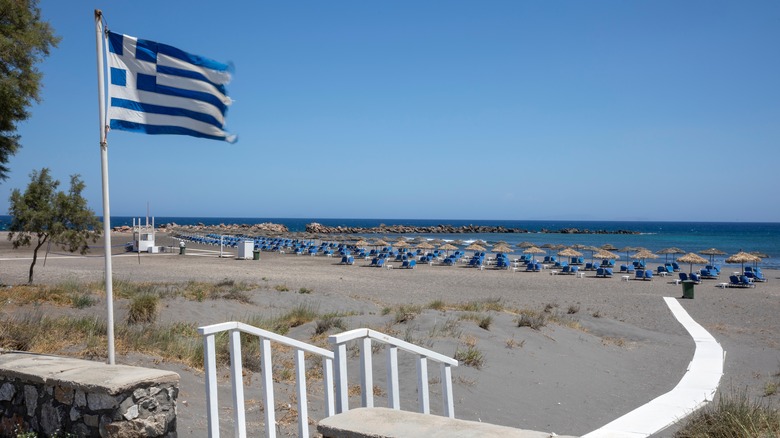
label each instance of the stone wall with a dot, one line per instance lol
(50, 395)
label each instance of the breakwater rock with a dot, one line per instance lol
(315, 227)
(248, 229)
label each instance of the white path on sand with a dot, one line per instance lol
(695, 389)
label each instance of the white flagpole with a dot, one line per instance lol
(104, 173)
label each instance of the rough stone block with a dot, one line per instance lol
(97, 401)
(31, 399)
(63, 394)
(7, 391)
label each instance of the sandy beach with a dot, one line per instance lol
(621, 346)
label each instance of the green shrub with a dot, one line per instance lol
(533, 320)
(733, 415)
(470, 356)
(406, 313)
(485, 321)
(83, 300)
(143, 309)
(327, 322)
(436, 305)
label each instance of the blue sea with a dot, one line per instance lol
(730, 237)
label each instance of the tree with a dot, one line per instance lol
(43, 214)
(24, 41)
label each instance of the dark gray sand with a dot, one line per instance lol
(620, 348)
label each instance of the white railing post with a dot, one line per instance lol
(366, 374)
(237, 382)
(448, 404)
(268, 388)
(327, 371)
(234, 331)
(210, 365)
(422, 385)
(303, 413)
(393, 397)
(342, 389)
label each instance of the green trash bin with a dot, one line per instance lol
(687, 287)
(255, 255)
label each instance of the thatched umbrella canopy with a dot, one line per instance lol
(548, 246)
(501, 248)
(379, 242)
(760, 255)
(644, 254)
(604, 254)
(712, 252)
(401, 244)
(525, 245)
(692, 259)
(425, 245)
(361, 243)
(448, 247)
(534, 250)
(475, 247)
(608, 247)
(670, 250)
(742, 258)
(627, 249)
(457, 242)
(569, 252)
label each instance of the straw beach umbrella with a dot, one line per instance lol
(448, 247)
(604, 254)
(608, 247)
(401, 244)
(569, 252)
(525, 245)
(712, 252)
(692, 259)
(742, 258)
(627, 249)
(534, 250)
(671, 250)
(501, 248)
(760, 255)
(425, 245)
(644, 254)
(475, 247)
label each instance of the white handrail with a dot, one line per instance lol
(366, 372)
(234, 330)
(333, 404)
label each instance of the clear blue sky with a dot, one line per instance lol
(613, 110)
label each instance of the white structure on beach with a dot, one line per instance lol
(143, 236)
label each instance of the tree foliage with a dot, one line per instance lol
(24, 41)
(42, 214)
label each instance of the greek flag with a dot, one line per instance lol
(158, 89)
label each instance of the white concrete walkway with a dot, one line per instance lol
(695, 389)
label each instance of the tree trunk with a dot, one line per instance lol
(35, 257)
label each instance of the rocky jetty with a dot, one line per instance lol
(249, 229)
(315, 227)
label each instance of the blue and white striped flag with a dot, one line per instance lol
(158, 89)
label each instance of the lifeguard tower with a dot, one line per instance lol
(143, 236)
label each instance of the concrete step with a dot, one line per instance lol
(391, 423)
